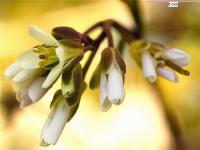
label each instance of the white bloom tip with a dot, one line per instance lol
(148, 67)
(177, 56)
(42, 36)
(35, 91)
(167, 74)
(152, 78)
(12, 70)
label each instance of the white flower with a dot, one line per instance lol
(54, 124)
(26, 73)
(28, 93)
(167, 74)
(31, 59)
(176, 56)
(61, 113)
(27, 83)
(111, 87)
(156, 64)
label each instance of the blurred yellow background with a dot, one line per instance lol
(139, 123)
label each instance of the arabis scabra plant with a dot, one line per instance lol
(59, 54)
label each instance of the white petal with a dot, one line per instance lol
(177, 56)
(35, 91)
(60, 54)
(115, 86)
(55, 124)
(53, 75)
(42, 36)
(55, 72)
(29, 60)
(25, 75)
(167, 74)
(148, 67)
(25, 99)
(103, 87)
(104, 102)
(12, 70)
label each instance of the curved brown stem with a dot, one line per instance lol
(95, 47)
(93, 27)
(107, 29)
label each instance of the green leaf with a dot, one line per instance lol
(95, 79)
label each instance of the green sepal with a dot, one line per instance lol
(71, 80)
(110, 55)
(119, 61)
(75, 98)
(95, 78)
(59, 97)
(106, 59)
(56, 98)
(74, 108)
(70, 50)
(156, 47)
(72, 62)
(137, 47)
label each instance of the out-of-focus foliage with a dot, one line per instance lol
(180, 28)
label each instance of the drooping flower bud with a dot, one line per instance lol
(109, 75)
(62, 110)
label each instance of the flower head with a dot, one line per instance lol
(35, 70)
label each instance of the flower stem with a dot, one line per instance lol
(177, 68)
(95, 46)
(172, 120)
(107, 29)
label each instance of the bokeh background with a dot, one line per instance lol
(140, 123)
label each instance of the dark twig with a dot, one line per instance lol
(95, 46)
(107, 29)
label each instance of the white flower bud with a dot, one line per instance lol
(35, 90)
(177, 56)
(167, 74)
(115, 85)
(42, 36)
(148, 67)
(104, 102)
(55, 124)
(25, 75)
(111, 88)
(12, 70)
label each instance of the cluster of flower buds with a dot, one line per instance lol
(155, 60)
(60, 54)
